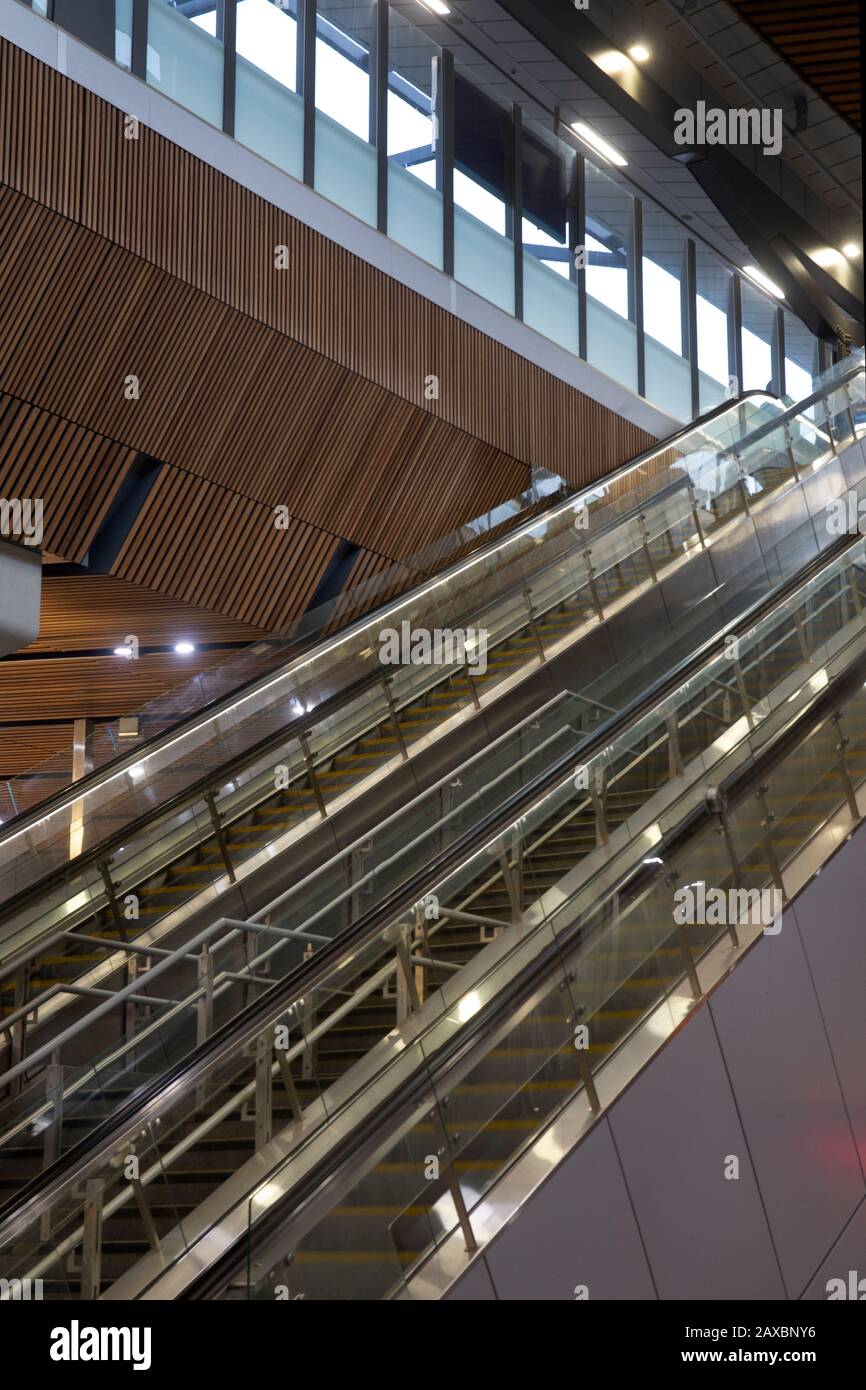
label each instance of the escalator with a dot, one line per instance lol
(569, 867)
(564, 597)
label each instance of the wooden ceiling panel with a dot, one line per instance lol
(819, 37)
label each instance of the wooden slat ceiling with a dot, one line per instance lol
(300, 388)
(819, 37)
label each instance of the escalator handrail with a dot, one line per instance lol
(246, 1025)
(123, 761)
(300, 724)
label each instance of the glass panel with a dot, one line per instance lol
(610, 328)
(713, 281)
(483, 249)
(123, 33)
(758, 316)
(801, 358)
(668, 373)
(550, 298)
(345, 154)
(269, 113)
(185, 56)
(414, 193)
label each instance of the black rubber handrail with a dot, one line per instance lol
(295, 727)
(183, 1075)
(432, 1076)
(210, 711)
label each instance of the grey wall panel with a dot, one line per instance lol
(789, 1101)
(475, 1286)
(706, 1235)
(847, 1256)
(578, 1228)
(831, 916)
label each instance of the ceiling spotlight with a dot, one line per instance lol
(184, 648)
(612, 61)
(639, 53)
(851, 249)
(826, 256)
(436, 6)
(123, 651)
(595, 142)
(764, 281)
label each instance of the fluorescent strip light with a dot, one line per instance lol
(596, 143)
(764, 281)
(435, 5)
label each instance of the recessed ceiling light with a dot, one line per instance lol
(612, 61)
(639, 53)
(826, 256)
(851, 248)
(764, 281)
(184, 648)
(435, 5)
(601, 146)
(123, 651)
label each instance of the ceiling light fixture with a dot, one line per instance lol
(123, 651)
(639, 53)
(612, 61)
(595, 142)
(435, 5)
(851, 249)
(764, 281)
(184, 648)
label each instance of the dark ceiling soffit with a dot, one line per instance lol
(569, 34)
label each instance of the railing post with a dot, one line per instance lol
(696, 516)
(116, 913)
(534, 626)
(851, 571)
(593, 587)
(401, 742)
(646, 547)
(588, 1080)
(844, 771)
(264, 1115)
(203, 1008)
(308, 1023)
(18, 1040)
(766, 824)
(312, 774)
(220, 835)
(675, 756)
(407, 995)
(91, 1255)
(598, 796)
(453, 1183)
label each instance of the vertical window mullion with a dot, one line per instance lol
(735, 333)
(691, 320)
(379, 110)
(228, 15)
(579, 239)
(445, 157)
(307, 83)
(637, 257)
(517, 204)
(138, 57)
(779, 351)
